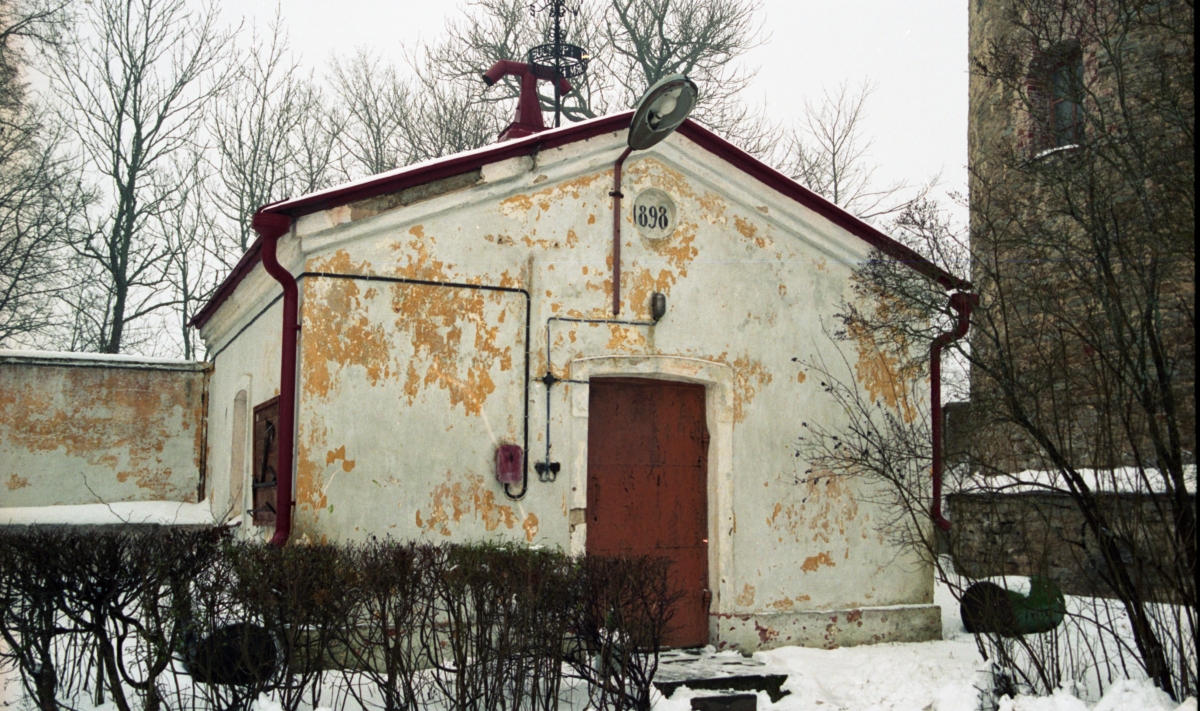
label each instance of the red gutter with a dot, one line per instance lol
(962, 303)
(270, 228)
(239, 272)
(616, 249)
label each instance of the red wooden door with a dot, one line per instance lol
(647, 488)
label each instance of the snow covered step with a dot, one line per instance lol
(708, 669)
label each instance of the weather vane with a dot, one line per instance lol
(556, 59)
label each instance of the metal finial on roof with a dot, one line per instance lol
(557, 59)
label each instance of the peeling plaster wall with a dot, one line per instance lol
(82, 430)
(405, 390)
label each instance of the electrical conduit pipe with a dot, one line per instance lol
(616, 249)
(271, 227)
(962, 303)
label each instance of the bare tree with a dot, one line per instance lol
(1082, 353)
(41, 205)
(259, 134)
(829, 155)
(631, 44)
(369, 103)
(444, 117)
(197, 249)
(651, 39)
(492, 30)
(135, 90)
(40, 198)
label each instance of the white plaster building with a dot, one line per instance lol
(434, 299)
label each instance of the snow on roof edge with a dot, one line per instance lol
(499, 147)
(99, 358)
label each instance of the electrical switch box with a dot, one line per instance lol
(510, 464)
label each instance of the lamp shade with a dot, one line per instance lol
(660, 111)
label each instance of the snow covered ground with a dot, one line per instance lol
(932, 676)
(929, 676)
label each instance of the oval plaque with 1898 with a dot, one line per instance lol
(654, 214)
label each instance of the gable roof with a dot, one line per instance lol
(459, 163)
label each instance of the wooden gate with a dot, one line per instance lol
(647, 487)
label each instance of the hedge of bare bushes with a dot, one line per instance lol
(194, 619)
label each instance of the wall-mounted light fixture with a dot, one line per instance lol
(660, 111)
(658, 305)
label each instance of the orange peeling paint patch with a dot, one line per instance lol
(334, 455)
(623, 338)
(114, 419)
(680, 250)
(749, 377)
(746, 599)
(338, 333)
(451, 501)
(801, 377)
(523, 205)
(640, 284)
(812, 563)
(649, 171)
(825, 505)
(310, 473)
(880, 369)
(438, 322)
(748, 230)
(16, 482)
(774, 514)
(571, 240)
(530, 526)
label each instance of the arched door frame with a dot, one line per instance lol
(718, 379)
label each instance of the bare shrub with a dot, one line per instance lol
(390, 625)
(381, 649)
(295, 594)
(625, 612)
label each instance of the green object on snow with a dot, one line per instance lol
(989, 608)
(1041, 610)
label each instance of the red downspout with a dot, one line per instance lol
(962, 303)
(616, 250)
(271, 227)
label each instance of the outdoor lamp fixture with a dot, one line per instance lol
(659, 112)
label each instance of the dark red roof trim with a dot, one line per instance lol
(420, 174)
(778, 181)
(244, 266)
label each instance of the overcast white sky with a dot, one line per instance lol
(914, 50)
